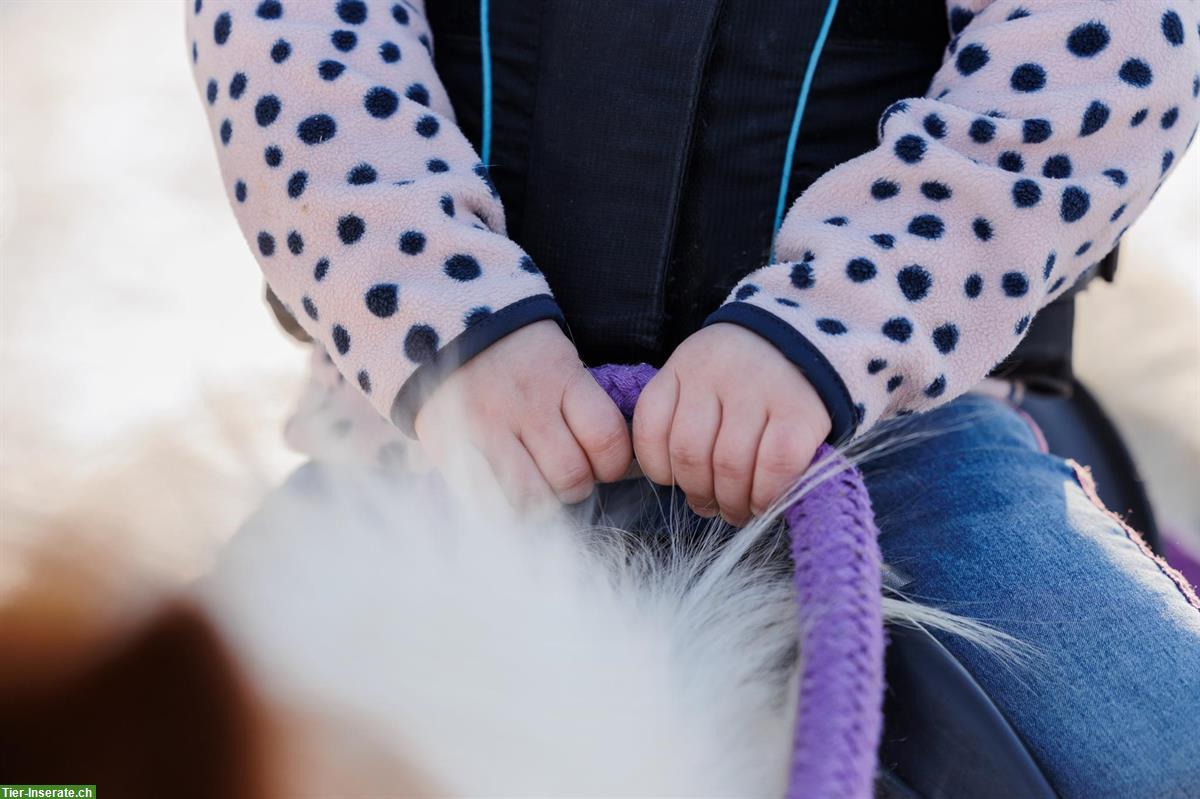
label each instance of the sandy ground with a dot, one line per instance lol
(143, 385)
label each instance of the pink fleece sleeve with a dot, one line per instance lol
(366, 207)
(905, 275)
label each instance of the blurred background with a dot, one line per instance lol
(144, 384)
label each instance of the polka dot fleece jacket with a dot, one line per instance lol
(912, 269)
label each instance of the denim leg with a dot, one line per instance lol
(984, 524)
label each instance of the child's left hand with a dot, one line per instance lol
(730, 420)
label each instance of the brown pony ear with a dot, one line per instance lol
(161, 711)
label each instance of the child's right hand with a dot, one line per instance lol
(535, 413)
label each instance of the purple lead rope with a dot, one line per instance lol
(838, 588)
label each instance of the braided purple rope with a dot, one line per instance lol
(838, 587)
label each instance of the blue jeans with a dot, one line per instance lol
(982, 522)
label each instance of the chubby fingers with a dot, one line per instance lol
(598, 427)
(652, 426)
(733, 461)
(784, 453)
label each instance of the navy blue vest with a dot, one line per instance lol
(638, 144)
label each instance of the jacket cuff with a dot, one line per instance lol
(472, 341)
(797, 349)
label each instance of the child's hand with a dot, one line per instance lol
(731, 420)
(528, 405)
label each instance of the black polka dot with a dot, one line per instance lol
(343, 41)
(226, 131)
(1087, 245)
(382, 299)
(280, 51)
(361, 175)
(1094, 118)
(364, 381)
(421, 343)
(1136, 72)
(914, 282)
(211, 92)
(296, 184)
(310, 308)
(462, 267)
(412, 242)
(935, 191)
(1172, 28)
(316, 129)
(982, 229)
(936, 388)
(973, 286)
(321, 269)
(195, 53)
(1011, 161)
(389, 52)
(860, 270)
(1117, 214)
(802, 276)
(1028, 78)
(527, 265)
(898, 329)
(270, 9)
(1017, 13)
(945, 338)
(1139, 117)
(1026, 194)
(884, 189)
(971, 59)
(786, 303)
(239, 191)
(350, 228)
(935, 126)
(1075, 204)
(1057, 284)
(418, 94)
(1057, 167)
(1015, 284)
(266, 243)
(1117, 176)
(1168, 158)
(831, 327)
(266, 110)
(295, 243)
(837, 221)
(982, 130)
(381, 102)
(237, 86)
(885, 241)
(273, 156)
(426, 43)
(1088, 39)
(330, 70)
(1049, 265)
(746, 292)
(1196, 80)
(352, 12)
(1169, 118)
(1036, 131)
(341, 339)
(927, 226)
(197, 6)
(400, 14)
(427, 126)
(876, 366)
(910, 148)
(894, 382)
(222, 27)
(447, 203)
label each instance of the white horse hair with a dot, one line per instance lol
(514, 657)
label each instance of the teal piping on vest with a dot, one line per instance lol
(801, 102)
